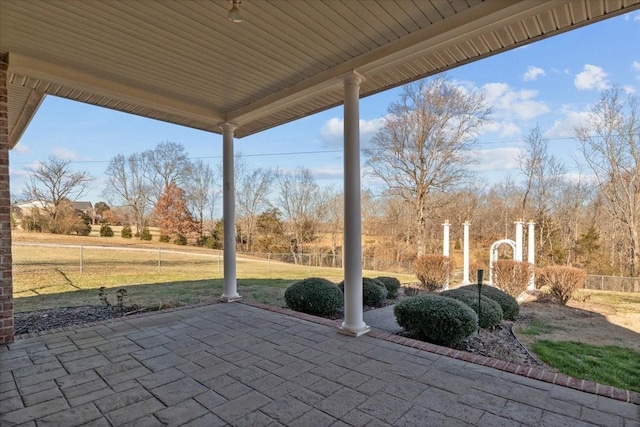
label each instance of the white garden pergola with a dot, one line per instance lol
(184, 62)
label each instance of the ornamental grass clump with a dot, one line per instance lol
(490, 312)
(432, 271)
(392, 284)
(511, 276)
(314, 295)
(508, 304)
(436, 319)
(562, 281)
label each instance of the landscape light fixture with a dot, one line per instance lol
(234, 14)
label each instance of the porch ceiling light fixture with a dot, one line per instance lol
(234, 13)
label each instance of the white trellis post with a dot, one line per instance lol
(465, 262)
(517, 256)
(445, 249)
(531, 255)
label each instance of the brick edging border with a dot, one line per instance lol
(525, 371)
(501, 365)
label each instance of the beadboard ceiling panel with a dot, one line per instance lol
(184, 62)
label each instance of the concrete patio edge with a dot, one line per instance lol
(525, 371)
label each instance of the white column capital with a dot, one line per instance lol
(353, 77)
(228, 127)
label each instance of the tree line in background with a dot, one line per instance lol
(422, 156)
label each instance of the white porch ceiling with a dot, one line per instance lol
(183, 62)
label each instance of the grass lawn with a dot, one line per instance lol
(612, 365)
(50, 277)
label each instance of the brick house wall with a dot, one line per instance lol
(6, 282)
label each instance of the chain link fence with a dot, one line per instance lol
(39, 265)
(613, 283)
(40, 268)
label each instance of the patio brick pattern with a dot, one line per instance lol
(240, 364)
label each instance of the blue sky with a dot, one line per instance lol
(551, 83)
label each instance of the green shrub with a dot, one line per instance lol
(180, 240)
(490, 311)
(106, 231)
(164, 238)
(373, 291)
(508, 304)
(314, 296)
(392, 284)
(436, 319)
(146, 234)
(126, 232)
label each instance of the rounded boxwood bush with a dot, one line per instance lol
(436, 319)
(490, 312)
(508, 304)
(392, 284)
(373, 291)
(314, 295)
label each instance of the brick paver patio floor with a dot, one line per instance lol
(241, 365)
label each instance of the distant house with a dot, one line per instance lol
(87, 209)
(81, 207)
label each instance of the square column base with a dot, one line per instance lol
(351, 333)
(230, 299)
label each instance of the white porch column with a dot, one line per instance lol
(517, 256)
(230, 291)
(445, 247)
(353, 324)
(531, 255)
(465, 261)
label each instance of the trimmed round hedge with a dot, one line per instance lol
(509, 305)
(436, 318)
(314, 295)
(490, 312)
(373, 291)
(392, 284)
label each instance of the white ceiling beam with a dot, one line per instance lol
(31, 105)
(92, 83)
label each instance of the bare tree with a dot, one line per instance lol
(334, 219)
(425, 143)
(202, 191)
(128, 186)
(545, 181)
(166, 164)
(252, 192)
(298, 200)
(52, 183)
(610, 142)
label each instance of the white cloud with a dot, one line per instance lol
(327, 172)
(332, 132)
(533, 73)
(628, 89)
(22, 173)
(502, 128)
(509, 104)
(65, 153)
(636, 66)
(566, 125)
(496, 159)
(21, 148)
(592, 77)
